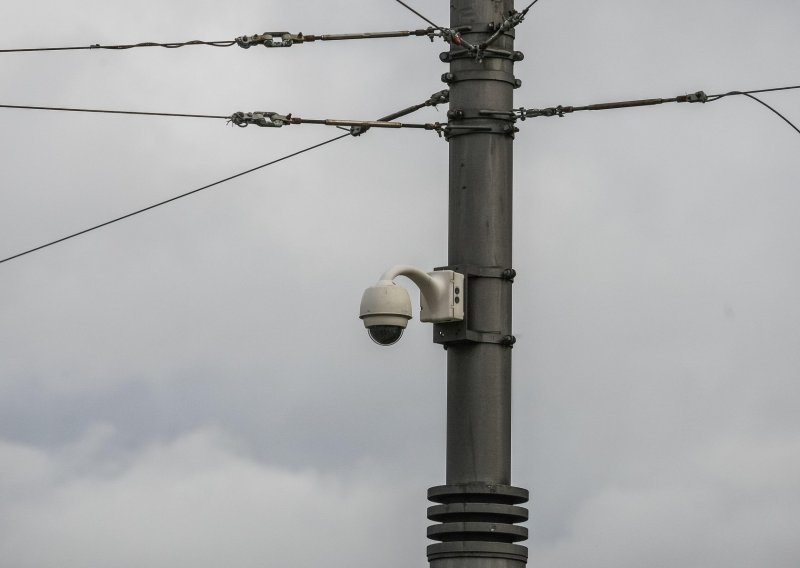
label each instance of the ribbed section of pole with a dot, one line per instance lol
(477, 511)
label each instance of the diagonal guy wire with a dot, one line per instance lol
(420, 15)
(159, 204)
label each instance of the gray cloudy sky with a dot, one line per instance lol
(193, 388)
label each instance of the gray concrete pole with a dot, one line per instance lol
(478, 508)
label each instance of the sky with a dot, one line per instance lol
(192, 386)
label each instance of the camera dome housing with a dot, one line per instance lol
(385, 311)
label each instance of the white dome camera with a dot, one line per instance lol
(385, 309)
(386, 306)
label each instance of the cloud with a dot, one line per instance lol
(195, 501)
(732, 504)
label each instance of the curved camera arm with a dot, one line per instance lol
(432, 290)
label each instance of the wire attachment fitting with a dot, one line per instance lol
(512, 21)
(263, 119)
(523, 113)
(698, 97)
(270, 39)
(439, 98)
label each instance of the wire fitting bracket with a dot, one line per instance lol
(449, 56)
(481, 75)
(698, 97)
(275, 120)
(287, 39)
(454, 130)
(263, 119)
(522, 113)
(438, 98)
(270, 39)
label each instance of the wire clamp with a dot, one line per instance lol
(698, 97)
(455, 130)
(263, 119)
(270, 39)
(440, 98)
(522, 113)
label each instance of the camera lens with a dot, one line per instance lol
(385, 334)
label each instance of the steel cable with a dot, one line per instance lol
(173, 45)
(159, 204)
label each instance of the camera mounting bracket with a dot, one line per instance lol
(460, 332)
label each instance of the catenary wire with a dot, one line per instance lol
(525, 11)
(433, 100)
(773, 110)
(171, 45)
(273, 39)
(750, 94)
(699, 97)
(418, 14)
(513, 20)
(712, 98)
(159, 204)
(65, 109)
(259, 118)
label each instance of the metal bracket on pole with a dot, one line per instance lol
(452, 131)
(460, 332)
(448, 56)
(472, 75)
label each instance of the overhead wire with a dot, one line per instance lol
(275, 120)
(171, 45)
(104, 111)
(712, 98)
(512, 21)
(420, 15)
(750, 94)
(451, 36)
(525, 11)
(789, 122)
(433, 100)
(264, 119)
(698, 97)
(177, 197)
(267, 39)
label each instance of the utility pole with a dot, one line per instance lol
(476, 511)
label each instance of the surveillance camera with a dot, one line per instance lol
(386, 307)
(385, 310)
